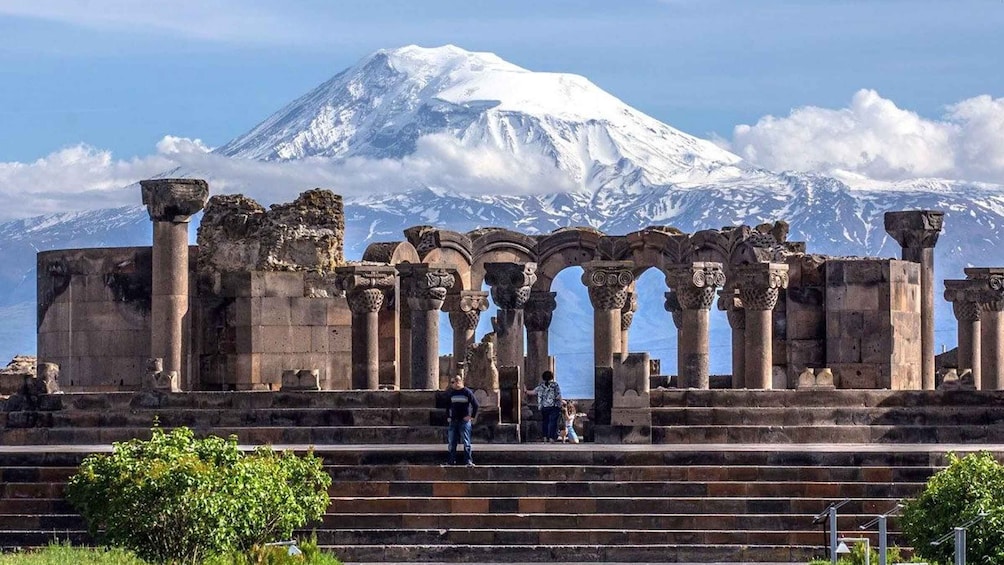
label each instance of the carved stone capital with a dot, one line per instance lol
(510, 283)
(174, 200)
(425, 285)
(365, 285)
(465, 309)
(732, 304)
(608, 282)
(991, 293)
(538, 310)
(672, 306)
(915, 228)
(627, 312)
(695, 283)
(759, 284)
(968, 297)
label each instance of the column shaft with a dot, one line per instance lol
(365, 351)
(759, 358)
(169, 296)
(606, 336)
(509, 335)
(537, 355)
(425, 349)
(694, 366)
(925, 256)
(991, 352)
(738, 358)
(969, 348)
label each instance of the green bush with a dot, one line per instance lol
(176, 498)
(311, 555)
(967, 487)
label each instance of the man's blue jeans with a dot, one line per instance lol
(549, 421)
(459, 431)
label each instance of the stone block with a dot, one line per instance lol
(806, 353)
(300, 339)
(779, 377)
(603, 393)
(303, 379)
(309, 311)
(824, 378)
(843, 350)
(876, 348)
(247, 370)
(631, 376)
(275, 339)
(277, 284)
(339, 340)
(275, 311)
(338, 312)
(235, 283)
(319, 339)
(905, 297)
(53, 344)
(272, 366)
(866, 271)
(246, 311)
(806, 379)
(906, 376)
(857, 375)
(247, 339)
(631, 417)
(56, 318)
(806, 323)
(340, 374)
(861, 297)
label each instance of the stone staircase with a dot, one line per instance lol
(547, 502)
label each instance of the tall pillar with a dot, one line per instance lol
(424, 287)
(729, 301)
(672, 306)
(695, 286)
(991, 302)
(964, 296)
(537, 316)
(608, 282)
(465, 311)
(759, 284)
(627, 316)
(171, 203)
(917, 232)
(510, 289)
(365, 286)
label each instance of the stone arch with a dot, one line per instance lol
(445, 247)
(499, 245)
(391, 252)
(657, 247)
(563, 248)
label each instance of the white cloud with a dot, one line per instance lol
(875, 138)
(82, 177)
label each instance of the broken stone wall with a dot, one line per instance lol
(806, 314)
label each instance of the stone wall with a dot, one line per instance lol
(805, 307)
(873, 323)
(94, 315)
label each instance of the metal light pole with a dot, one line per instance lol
(830, 515)
(959, 532)
(882, 519)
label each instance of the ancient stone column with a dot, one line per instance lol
(171, 203)
(695, 286)
(537, 317)
(991, 302)
(465, 311)
(365, 286)
(607, 282)
(627, 316)
(729, 301)
(917, 232)
(510, 289)
(672, 305)
(965, 298)
(759, 284)
(424, 287)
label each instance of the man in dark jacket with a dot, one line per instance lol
(461, 411)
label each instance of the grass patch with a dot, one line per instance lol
(65, 554)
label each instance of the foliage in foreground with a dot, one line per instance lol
(969, 486)
(66, 554)
(176, 498)
(857, 556)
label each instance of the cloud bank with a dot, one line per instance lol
(83, 177)
(875, 138)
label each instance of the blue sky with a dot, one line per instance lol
(120, 74)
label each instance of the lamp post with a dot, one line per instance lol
(959, 532)
(882, 519)
(830, 515)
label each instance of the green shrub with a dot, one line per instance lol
(175, 498)
(953, 496)
(260, 555)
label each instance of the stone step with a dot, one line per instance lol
(637, 489)
(827, 434)
(602, 505)
(843, 416)
(569, 551)
(241, 400)
(824, 398)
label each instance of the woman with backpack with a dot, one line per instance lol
(548, 395)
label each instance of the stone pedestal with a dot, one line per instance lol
(510, 289)
(729, 302)
(365, 286)
(465, 311)
(171, 203)
(917, 232)
(424, 287)
(695, 286)
(759, 285)
(607, 282)
(537, 317)
(991, 301)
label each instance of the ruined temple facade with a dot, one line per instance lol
(267, 300)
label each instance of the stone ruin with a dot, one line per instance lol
(266, 300)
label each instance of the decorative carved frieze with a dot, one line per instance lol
(425, 285)
(915, 228)
(730, 302)
(990, 291)
(759, 284)
(695, 283)
(608, 282)
(968, 297)
(465, 309)
(365, 285)
(174, 200)
(627, 312)
(510, 283)
(538, 310)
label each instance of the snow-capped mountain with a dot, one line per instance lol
(613, 168)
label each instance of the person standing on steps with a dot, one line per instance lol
(548, 395)
(460, 413)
